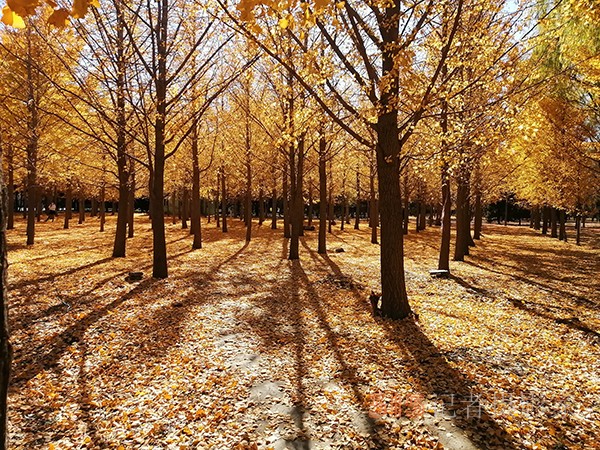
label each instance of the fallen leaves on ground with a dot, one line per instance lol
(242, 349)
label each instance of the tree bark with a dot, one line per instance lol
(120, 242)
(478, 217)
(32, 144)
(261, 205)
(286, 204)
(536, 218)
(248, 197)
(6, 349)
(184, 210)
(131, 202)
(562, 229)
(461, 247)
(94, 207)
(553, 223)
(157, 175)
(374, 207)
(68, 206)
(322, 246)
(578, 229)
(196, 225)
(297, 206)
(11, 188)
(444, 259)
(223, 201)
(81, 209)
(405, 208)
(394, 297)
(310, 203)
(102, 208)
(274, 209)
(357, 218)
(217, 201)
(545, 219)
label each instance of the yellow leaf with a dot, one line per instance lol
(59, 18)
(284, 23)
(11, 18)
(320, 4)
(95, 3)
(79, 9)
(23, 8)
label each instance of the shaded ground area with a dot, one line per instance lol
(240, 348)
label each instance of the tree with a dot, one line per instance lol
(384, 37)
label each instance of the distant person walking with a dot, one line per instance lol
(51, 211)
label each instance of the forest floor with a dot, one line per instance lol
(242, 349)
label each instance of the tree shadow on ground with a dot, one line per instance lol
(284, 323)
(548, 287)
(39, 360)
(52, 277)
(433, 375)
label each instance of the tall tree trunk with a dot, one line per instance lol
(184, 210)
(405, 207)
(39, 204)
(261, 205)
(506, 211)
(174, 203)
(94, 208)
(374, 207)
(248, 199)
(286, 204)
(417, 215)
(120, 242)
(461, 247)
(563, 229)
(81, 206)
(157, 175)
(330, 202)
(274, 209)
(444, 259)
(32, 144)
(217, 201)
(297, 201)
(322, 246)
(68, 206)
(6, 350)
(344, 206)
(196, 225)
(553, 223)
(310, 203)
(223, 201)
(422, 216)
(102, 207)
(11, 188)
(131, 202)
(536, 218)
(394, 297)
(478, 216)
(357, 218)
(578, 229)
(545, 220)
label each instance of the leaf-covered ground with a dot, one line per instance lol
(242, 349)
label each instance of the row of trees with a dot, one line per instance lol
(432, 103)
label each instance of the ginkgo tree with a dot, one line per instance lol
(376, 45)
